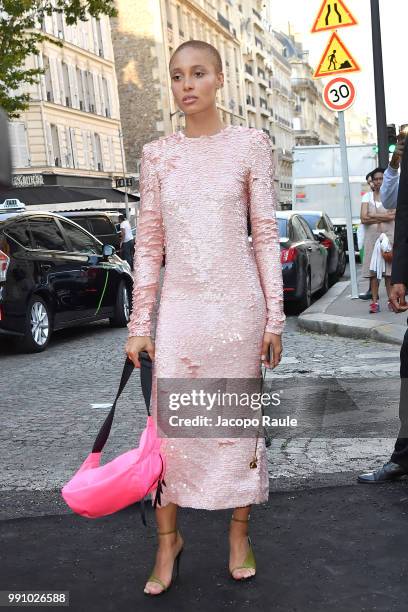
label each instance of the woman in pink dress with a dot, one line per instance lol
(221, 306)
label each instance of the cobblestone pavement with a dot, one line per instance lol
(49, 425)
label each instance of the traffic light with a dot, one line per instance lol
(392, 137)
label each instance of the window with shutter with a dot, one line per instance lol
(91, 89)
(55, 145)
(50, 151)
(73, 86)
(65, 160)
(96, 94)
(61, 81)
(74, 149)
(67, 88)
(107, 109)
(97, 152)
(49, 96)
(19, 145)
(112, 153)
(85, 150)
(81, 101)
(54, 80)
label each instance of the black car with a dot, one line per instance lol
(105, 225)
(54, 274)
(322, 227)
(303, 259)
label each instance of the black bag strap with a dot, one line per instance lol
(104, 431)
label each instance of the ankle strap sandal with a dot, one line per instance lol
(153, 578)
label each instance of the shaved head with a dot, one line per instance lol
(201, 45)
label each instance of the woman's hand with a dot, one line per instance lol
(275, 342)
(136, 344)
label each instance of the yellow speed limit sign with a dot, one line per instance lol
(339, 94)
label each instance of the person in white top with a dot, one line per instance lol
(377, 220)
(127, 243)
(367, 197)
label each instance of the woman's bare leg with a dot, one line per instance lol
(238, 542)
(374, 284)
(168, 547)
(388, 285)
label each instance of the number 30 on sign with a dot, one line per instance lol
(339, 94)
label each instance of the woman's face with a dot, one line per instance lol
(193, 76)
(377, 181)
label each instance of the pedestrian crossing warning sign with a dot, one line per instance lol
(333, 15)
(336, 59)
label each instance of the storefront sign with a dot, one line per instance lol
(28, 180)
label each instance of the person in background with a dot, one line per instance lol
(394, 193)
(127, 243)
(377, 220)
(390, 186)
(367, 197)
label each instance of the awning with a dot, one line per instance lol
(56, 194)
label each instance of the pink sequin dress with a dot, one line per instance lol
(219, 294)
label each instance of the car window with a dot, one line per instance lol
(46, 234)
(83, 222)
(283, 227)
(298, 230)
(101, 226)
(311, 220)
(19, 234)
(307, 230)
(81, 242)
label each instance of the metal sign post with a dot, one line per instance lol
(347, 205)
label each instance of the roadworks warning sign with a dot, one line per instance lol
(336, 59)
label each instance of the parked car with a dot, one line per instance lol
(304, 261)
(54, 274)
(323, 229)
(105, 225)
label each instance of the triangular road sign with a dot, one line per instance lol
(333, 14)
(336, 59)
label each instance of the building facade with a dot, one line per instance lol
(313, 122)
(145, 34)
(359, 128)
(71, 134)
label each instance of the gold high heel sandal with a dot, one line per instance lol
(249, 562)
(153, 578)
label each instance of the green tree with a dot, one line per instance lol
(20, 35)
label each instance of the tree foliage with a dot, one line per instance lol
(20, 35)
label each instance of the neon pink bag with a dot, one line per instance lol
(97, 490)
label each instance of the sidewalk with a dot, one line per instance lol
(337, 313)
(341, 549)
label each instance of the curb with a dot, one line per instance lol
(315, 319)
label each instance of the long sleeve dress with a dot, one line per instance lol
(219, 294)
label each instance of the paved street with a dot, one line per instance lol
(49, 429)
(318, 532)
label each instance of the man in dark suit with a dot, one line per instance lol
(395, 194)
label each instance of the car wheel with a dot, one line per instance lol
(121, 314)
(306, 299)
(342, 266)
(38, 326)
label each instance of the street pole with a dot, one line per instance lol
(347, 205)
(382, 135)
(124, 175)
